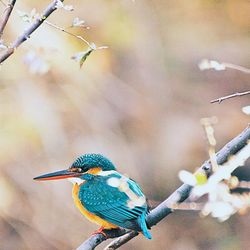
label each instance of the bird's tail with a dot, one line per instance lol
(144, 228)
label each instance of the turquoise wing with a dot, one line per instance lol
(112, 203)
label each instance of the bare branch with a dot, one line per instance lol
(237, 67)
(26, 34)
(121, 240)
(71, 34)
(206, 64)
(97, 239)
(178, 196)
(6, 16)
(221, 99)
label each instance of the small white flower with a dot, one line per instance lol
(187, 178)
(81, 56)
(60, 5)
(220, 210)
(207, 64)
(68, 7)
(28, 17)
(77, 22)
(204, 64)
(217, 66)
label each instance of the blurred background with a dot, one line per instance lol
(139, 103)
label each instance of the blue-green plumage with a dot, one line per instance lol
(103, 195)
(88, 161)
(114, 205)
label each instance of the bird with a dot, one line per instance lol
(103, 195)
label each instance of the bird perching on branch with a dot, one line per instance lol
(103, 195)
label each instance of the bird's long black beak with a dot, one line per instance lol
(63, 174)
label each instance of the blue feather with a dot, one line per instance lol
(142, 221)
(111, 204)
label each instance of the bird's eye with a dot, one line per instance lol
(78, 170)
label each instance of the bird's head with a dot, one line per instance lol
(88, 163)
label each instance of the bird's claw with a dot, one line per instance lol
(100, 231)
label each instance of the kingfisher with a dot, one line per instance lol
(103, 195)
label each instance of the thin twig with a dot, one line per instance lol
(178, 196)
(71, 34)
(207, 124)
(221, 99)
(26, 34)
(6, 16)
(212, 64)
(121, 240)
(237, 67)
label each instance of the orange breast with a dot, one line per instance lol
(94, 218)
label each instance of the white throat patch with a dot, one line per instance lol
(76, 180)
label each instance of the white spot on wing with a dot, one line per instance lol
(114, 182)
(122, 184)
(140, 201)
(105, 173)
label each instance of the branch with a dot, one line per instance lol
(71, 34)
(26, 34)
(181, 194)
(97, 239)
(237, 67)
(221, 99)
(6, 16)
(212, 64)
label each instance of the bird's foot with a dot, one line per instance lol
(100, 231)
